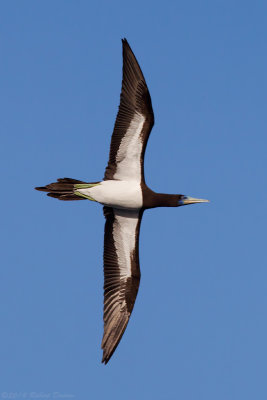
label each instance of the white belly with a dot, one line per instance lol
(118, 194)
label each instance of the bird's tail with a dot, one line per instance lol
(65, 189)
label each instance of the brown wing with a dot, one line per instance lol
(133, 124)
(121, 274)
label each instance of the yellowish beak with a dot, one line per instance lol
(191, 200)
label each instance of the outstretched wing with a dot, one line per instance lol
(121, 274)
(133, 124)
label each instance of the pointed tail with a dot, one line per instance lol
(63, 189)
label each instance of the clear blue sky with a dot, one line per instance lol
(199, 328)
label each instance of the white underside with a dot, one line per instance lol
(117, 194)
(124, 231)
(128, 158)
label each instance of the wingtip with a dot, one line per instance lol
(105, 360)
(124, 42)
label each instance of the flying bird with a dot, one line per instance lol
(125, 196)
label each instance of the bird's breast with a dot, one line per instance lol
(117, 194)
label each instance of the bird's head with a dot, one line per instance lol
(184, 200)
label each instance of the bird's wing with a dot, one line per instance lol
(121, 274)
(133, 124)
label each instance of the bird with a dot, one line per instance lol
(125, 196)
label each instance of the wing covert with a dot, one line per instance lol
(121, 274)
(133, 124)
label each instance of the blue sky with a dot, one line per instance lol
(198, 330)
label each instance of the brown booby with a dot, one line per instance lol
(125, 196)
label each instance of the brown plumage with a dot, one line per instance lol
(119, 293)
(134, 98)
(62, 189)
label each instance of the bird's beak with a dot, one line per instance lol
(191, 200)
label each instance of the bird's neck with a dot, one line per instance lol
(153, 199)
